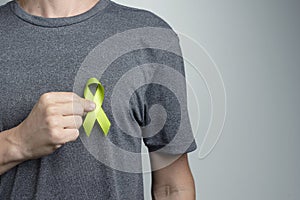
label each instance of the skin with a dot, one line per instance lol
(56, 8)
(171, 177)
(57, 116)
(53, 121)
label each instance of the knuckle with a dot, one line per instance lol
(75, 135)
(46, 97)
(50, 110)
(52, 121)
(54, 136)
(72, 135)
(78, 121)
(73, 96)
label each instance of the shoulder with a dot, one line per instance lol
(139, 17)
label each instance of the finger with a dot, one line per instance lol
(70, 135)
(77, 107)
(87, 105)
(56, 97)
(70, 108)
(72, 122)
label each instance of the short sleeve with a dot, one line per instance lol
(164, 117)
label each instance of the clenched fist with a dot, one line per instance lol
(53, 121)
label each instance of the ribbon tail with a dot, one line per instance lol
(89, 122)
(103, 122)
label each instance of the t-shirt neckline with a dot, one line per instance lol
(57, 22)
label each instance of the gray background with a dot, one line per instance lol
(256, 46)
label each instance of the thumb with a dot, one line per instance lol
(88, 105)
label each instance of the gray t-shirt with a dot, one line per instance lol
(135, 55)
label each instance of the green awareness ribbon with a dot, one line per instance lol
(97, 114)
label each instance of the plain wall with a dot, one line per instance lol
(256, 47)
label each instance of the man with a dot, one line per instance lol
(43, 44)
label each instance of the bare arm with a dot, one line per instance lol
(9, 155)
(53, 121)
(174, 181)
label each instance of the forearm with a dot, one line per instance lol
(169, 192)
(174, 181)
(9, 153)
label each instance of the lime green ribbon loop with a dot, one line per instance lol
(97, 114)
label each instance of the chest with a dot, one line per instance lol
(29, 68)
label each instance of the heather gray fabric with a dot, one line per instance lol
(39, 55)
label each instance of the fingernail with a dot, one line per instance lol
(92, 105)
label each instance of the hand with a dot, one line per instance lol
(53, 121)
